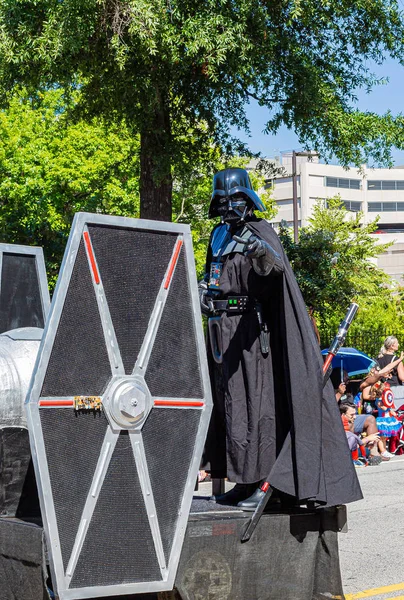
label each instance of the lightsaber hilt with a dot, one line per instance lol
(339, 339)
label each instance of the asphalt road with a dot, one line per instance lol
(372, 552)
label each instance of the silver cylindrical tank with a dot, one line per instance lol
(18, 493)
(18, 351)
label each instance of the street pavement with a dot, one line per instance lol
(372, 551)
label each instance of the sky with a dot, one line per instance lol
(379, 100)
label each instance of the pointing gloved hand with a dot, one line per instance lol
(253, 247)
(263, 256)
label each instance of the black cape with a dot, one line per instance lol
(272, 417)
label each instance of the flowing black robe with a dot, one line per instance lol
(272, 417)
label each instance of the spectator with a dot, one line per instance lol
(203, 476)
(377, 373)
(339, 381)
(366, 424)
(363, 423)
(348, 416)
(387, 356)
(387, 424)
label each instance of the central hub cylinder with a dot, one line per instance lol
(128, 401)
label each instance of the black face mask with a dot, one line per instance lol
(233, 211)
(222, 208)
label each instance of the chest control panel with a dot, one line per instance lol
(237, 303)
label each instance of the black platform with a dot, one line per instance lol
(293, 555)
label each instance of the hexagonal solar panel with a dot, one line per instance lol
(119, 407)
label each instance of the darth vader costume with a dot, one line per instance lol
(272, 419)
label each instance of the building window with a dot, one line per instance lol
(386, 184)
(287, 202)
(352, 206)
(331, 181)
(342, 182)
(385, 206)
(355, 184)
(280, 180)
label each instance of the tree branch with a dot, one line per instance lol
(247, 92)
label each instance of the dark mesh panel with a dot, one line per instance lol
(119, 546)
(79, 363)
(169, 437)
(173, 369)
(73, 443)
(20, 296)
(132, 265)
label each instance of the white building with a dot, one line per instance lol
(372, 191)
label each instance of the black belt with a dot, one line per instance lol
(236, 305)
(233, 304)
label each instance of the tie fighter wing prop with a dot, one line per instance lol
(24, 293)
(119, 407)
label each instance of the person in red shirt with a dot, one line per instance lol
(348, 414)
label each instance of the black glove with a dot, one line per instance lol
(255, 247)
(262, 255)
(205, 299)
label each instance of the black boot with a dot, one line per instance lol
(240, 492)
(251, 503)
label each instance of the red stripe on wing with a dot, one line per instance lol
(173, 262)
(90, 253)
(180, 403)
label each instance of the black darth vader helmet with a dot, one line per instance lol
(232, 191)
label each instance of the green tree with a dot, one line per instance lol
(334, 264)
(377, 318)
(170, 66)
(50, 169)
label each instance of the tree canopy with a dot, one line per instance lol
(171, 67)
(334, 263)
(50, 169)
